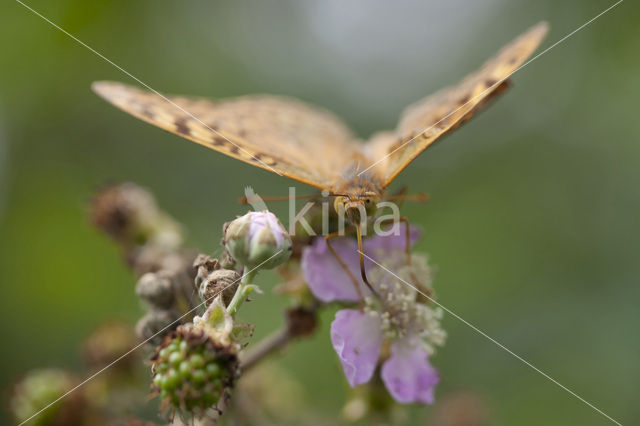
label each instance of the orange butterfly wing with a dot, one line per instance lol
(424, 122)
(279, 134)
(311, 145)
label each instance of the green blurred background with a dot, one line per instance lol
(533, 223)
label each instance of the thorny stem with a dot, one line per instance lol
(276, 340)
(242, 292)
(299, 322)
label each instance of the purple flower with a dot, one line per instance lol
(411, 328)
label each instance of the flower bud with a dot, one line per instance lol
(156, 324)
(211, 280)
(258, 239)
(131, 215)
(222, 281)
(226, 261)
(108, 342)
(157, 289)
(301, 321)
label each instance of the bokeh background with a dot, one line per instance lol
(534, 220)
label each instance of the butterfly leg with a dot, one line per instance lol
(420, 198)
(399, 195)
(424, 290)
(407, 230)
(407, 234)
(344, 266)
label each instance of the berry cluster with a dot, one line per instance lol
(190, 373)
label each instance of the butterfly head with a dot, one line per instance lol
(357, 205)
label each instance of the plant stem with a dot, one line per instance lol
(299, 322)
(275, 341)
(242, 292)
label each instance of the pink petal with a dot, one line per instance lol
(396, 240)
(408, 375)
(357, 339)
(326, 277)
(265, 219)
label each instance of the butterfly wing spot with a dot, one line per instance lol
(182, 126)
(490, 83)
(266, 159)
(248, 155)
(204, 133)
(218, 141)
(463, 100)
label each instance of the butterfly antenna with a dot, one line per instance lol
(250, 199)
(420, 197)
(363, 273)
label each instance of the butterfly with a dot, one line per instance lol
(313, 146)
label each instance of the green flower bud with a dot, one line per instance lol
(258, 239)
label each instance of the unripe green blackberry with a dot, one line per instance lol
(191, 371)
(37, 389)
